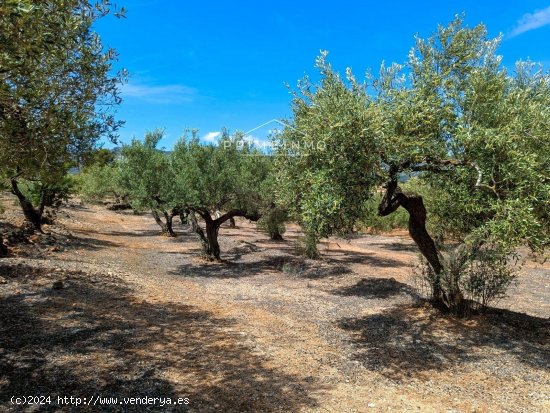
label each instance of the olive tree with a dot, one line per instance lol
(148, 179)
(56, 91)
(453, 116)
(97, 182)
(327, 160)
(226, 177)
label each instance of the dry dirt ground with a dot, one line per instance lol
(266, 331)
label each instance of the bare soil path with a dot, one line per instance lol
(142, 315)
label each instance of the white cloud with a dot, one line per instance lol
(158, 94)
(531, 21)
(211, 136)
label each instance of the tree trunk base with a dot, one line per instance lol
(168, 234)
(32, 215)
(119, 207)
(3, 248)
(211, 258)
(414, 204)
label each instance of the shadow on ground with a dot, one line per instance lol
(93, 337)
(413, 341)
(248, 261)
(345, 257)
(395, 246)
(77, 242)
(199, 267)
(376, 288)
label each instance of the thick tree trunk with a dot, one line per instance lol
(166, 227)
(413, 203)
(276, 236)
(159, 221)
(209, 240)
(3, 248)
(195, 227)
(212, 229)
(32, 214)
(169, 217)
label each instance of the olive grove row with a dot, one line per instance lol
(473, 135)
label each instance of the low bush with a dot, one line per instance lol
(479, 274)
(273, 223)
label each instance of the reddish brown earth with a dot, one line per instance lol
(265, 331)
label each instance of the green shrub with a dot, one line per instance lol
(97, 182)
(53, 193)
(489, 276)
(273, 222)
(481, 274)
(306, 246)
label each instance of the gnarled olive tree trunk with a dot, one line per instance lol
(32, 214)
(209, 236)
(166, 226)
(196, 228)
(182, 213)
(413, 203)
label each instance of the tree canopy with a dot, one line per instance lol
(228, 177)
(453, 116)
(216, 182)
(56, 91)
(148, 179)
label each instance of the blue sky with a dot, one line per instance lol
(225, 63)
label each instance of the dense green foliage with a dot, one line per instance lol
(475, 136)
(99, 182)
(99, 157)
(450, 144)
(273, 222)
(54, 73)
(216, 182)
(54, 193)
(452, 114)
(219, 183)
(373, 223)
(327, 159)
(56, 90)
(146, 173)
(224, 177)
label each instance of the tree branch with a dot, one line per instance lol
(442, 165)
(253, 216)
